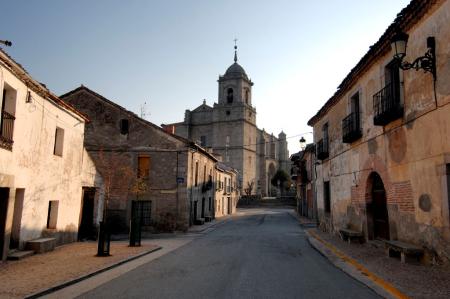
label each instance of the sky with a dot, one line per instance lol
(169, 54)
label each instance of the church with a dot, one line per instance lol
(229, 130)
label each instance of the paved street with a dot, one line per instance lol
(259, 253)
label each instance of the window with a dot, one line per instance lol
(247, 96)
(59, 142)
(227, 140)
(143, 167)
(326, 197)
(7, 117)
(386, 102)
(354, 103)
(203, 140)
(124, 126)
(142, 210)
(196, 174)
(52, 215)
(204, 174)
(230, 95)
(228, 112)
(325, 135)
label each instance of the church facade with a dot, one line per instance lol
(229, 129)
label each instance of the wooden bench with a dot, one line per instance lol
(351, 235)
(408, 252)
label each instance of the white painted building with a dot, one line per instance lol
(45, 173)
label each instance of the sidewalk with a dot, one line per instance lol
(68, 262)
(387, 276)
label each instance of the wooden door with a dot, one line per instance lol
(379, 210)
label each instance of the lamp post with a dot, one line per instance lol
(302, 143)
(427, 62)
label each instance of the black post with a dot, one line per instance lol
(104, 240)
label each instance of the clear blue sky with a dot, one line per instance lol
(170, 53)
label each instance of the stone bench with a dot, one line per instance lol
(351, 235)
(41, 245)
(199, 221)
(408, 252)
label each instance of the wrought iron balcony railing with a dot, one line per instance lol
(322, 149)
(351, 128)
(386, 105)
(6, 130)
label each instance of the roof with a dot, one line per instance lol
(132, 114)
(409, 16)
(222, 166)
(18, 70)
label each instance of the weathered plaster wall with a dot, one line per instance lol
(410, 154)
(32, 165)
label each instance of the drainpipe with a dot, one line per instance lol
(177, 198)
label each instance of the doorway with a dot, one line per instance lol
(203, 207)
(195, 210)
(378, 209)
(4, 196)
(86, 231)
(14, 242)
(230, 207)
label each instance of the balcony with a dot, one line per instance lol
(322, 149)
(6, 131)
(351, 129)
(386, 105)
(303, 173)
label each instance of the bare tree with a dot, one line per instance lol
(248, 190)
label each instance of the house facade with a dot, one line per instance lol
(302, 174)
(162, 179)
(383, 142)
(227, 191)
(45, 171)
(229, 128)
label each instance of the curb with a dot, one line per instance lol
(353, 268)
(210, 226)
(89, 275)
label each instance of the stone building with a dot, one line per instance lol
(302, 174)
(164, 180)
(227, 193)
(229, 128)
(383, 140)
(46, 177)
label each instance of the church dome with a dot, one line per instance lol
(235, 70)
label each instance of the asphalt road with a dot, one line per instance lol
(260, 253)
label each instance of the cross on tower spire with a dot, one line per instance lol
(235, 50)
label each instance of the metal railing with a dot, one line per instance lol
(351, 128)
(6, 130)
(322, 149)
(386, 105)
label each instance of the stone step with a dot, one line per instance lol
(41, 245)
(19, 254)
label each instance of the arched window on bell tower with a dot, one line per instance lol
(230, 95)
(247, 96)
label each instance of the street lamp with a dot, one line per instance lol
(302, 143)
(427, 62)
(6, 43)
